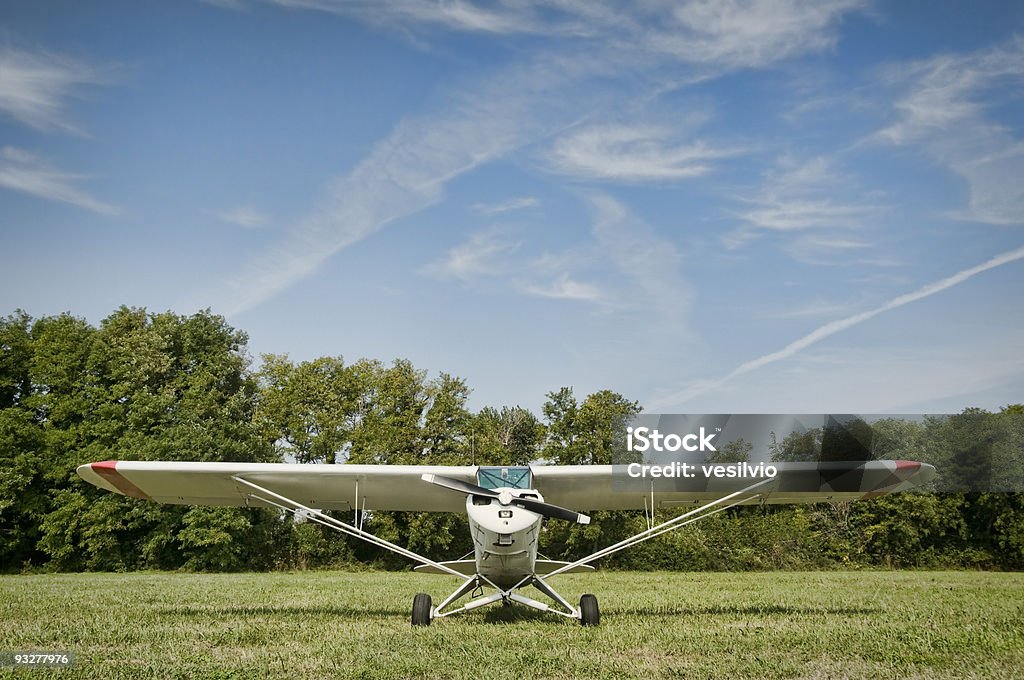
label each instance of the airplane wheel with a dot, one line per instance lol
(591, 615)
(421, 605)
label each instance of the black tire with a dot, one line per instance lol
(590, 614)
(421, 605)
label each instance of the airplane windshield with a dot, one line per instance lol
(497, 477)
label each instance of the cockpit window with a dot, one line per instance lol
(498, 477)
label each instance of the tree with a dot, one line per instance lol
(511, 436)
(146, 387)
(312, 409)
(797, 446)
(389, 431)
(23, 491)
(736, 451)
(586, 434)
(445, 422)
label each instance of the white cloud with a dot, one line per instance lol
(456, 15)
(23, 171)
(520, 203)
(725, 33)
(829, 329)
(477, 257)
(566, 288)
(34, 87)
(244, 216)
(943, 109)
(749, 33)
(632, 153)
(797, 202)
(791, 199)
(624, 267)
(790, 213)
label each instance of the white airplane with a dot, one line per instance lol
(506, 506)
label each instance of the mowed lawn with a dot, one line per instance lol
(700, 625)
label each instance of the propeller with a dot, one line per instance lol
(506, 498)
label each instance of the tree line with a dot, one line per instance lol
(162, 386)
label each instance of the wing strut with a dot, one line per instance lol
(670, 525)
(295, 508)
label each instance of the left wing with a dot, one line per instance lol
(328, 487)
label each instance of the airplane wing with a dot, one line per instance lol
(327, 487)
(401, 487)
(607, 487)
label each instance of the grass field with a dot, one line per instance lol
(339, 624)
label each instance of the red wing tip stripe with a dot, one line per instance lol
(907, 465)
(108, 470)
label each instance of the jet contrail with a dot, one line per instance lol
(833, 327)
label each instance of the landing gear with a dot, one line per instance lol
(421, 605)
(590, 615)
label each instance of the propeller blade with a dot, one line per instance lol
(539, 507)
(459, 485)
(549, 510)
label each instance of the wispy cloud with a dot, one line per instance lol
(729, 33)
(795, 197)
(35, 87)
(477, 257)
(405, 173)
(834, 327)
(566, 288)
(650, 262)
(632, 153)
(456, 15)
(504, 110)
(797, 202)
(244, 216)
(943, 108)
(624, 266)
(23, 171)
(520, 203)
(791, 214)
(748, 33)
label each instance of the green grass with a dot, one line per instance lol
(338, 624)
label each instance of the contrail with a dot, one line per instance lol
(833, 327)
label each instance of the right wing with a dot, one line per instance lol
(607, 487)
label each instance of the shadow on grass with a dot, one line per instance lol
(500, 615)
(495, 614)
(745, 610)
(283, 611)
(515, 614)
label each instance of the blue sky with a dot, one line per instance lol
(740, 206)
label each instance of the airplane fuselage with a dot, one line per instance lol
(505, 537)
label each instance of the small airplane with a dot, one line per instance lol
(506, 507)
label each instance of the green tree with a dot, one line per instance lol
(736, 451)
(445, 424)
(797, 446)
(143, 387)
(311, 410)
(510, 436)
